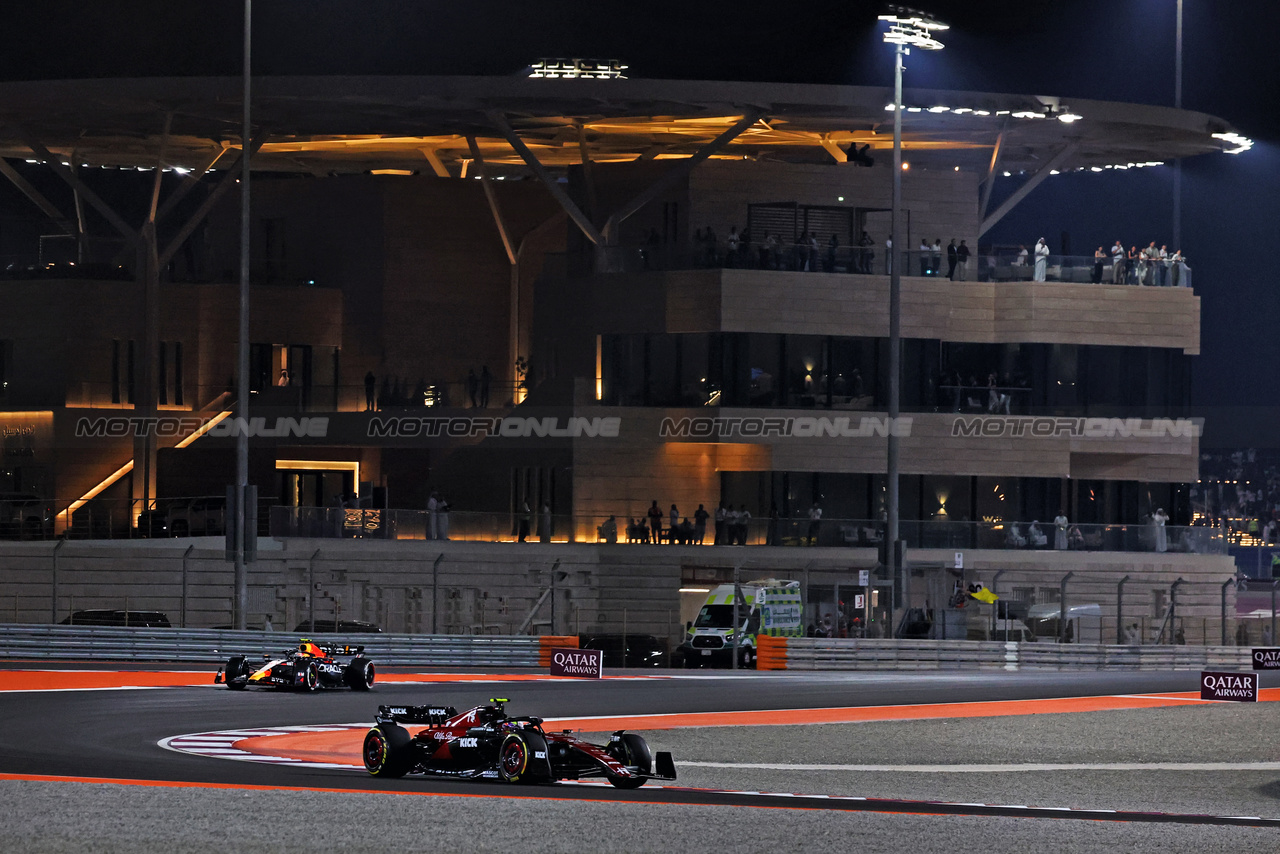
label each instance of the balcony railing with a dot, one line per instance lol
(1000, 266)
(496, 527)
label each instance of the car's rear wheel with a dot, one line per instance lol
(359, 674)
(387, 751)
(235, 669)
(633, 751)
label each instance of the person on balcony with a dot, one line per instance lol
(1117, 263)
(1099, 258)
(952, 259)
(1162, 536)
(1042, 260)
(962, 261)
(1060, 525)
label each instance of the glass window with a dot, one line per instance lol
(698, 387)
(663, 380)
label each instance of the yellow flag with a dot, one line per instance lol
(984, 595)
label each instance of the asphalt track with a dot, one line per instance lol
(1179, 775)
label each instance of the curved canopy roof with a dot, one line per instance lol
(354, 124)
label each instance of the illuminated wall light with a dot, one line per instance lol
(1027, 114)
(906, 166)
(960, 111)
(939, 109)
(695, 589)
(888, 108)
(981, 113)
(914, 109)
(1069, 117)
(1054, 172)
(957, 168)
(1008, 174)
(1095, 168)
(1002, 112)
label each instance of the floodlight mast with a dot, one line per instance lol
(907, 28)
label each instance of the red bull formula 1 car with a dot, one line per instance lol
(305, 668)
(485, 743)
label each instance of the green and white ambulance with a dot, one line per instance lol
(767, 606)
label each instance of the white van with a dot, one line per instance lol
(768, 607)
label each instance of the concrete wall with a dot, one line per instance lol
(849, 305)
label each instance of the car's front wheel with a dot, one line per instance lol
(633, 751)
(387, 752)
(235, 670)
(515, 760)
(310, 680)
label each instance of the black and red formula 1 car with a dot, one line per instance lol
(486, 743)
(305, 668)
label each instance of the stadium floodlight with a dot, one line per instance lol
(908, 28)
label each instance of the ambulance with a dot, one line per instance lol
(767, 606)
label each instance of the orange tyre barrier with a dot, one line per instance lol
(550, 642)
(771, 652)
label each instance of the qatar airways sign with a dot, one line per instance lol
(582, 663)
(1266, 658)
(1240, 687)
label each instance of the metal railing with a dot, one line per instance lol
(215, 646)
(860, 654)
(1002, 266)
(493, 527)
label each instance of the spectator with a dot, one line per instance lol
(1042, 260)
(700, 517)
(370, 391)
(1099, 258)
(722, 519)
(1060, 525)
(526, 518)
(609, 530)
(1117, 263)
(962, 261)
(655, 521)
(815, 520)
(952, 259)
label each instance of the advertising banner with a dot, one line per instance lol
(1266, 658)
(580, 663)
(1239, 687)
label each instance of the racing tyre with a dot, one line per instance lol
(515, 760)
(310, 680)
(633, 751)
(387, 752)
(235, 669)
(359, 674)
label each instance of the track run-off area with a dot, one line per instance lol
(128, 757)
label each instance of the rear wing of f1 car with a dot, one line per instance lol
(430, 715)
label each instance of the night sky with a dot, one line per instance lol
(1121, 50)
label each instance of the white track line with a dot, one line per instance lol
(997, 769)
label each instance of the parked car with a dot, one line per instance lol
(25, 516)
(640, 650)
(199, 517)
(346, 626)
(109, 617)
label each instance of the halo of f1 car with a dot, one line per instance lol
(486, 743)
(307, 667)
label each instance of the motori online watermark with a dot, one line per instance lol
(791, 427)
(1018, 426)
(122, 426)
(479, 427)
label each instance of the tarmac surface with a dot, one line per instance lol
(1184, 761)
